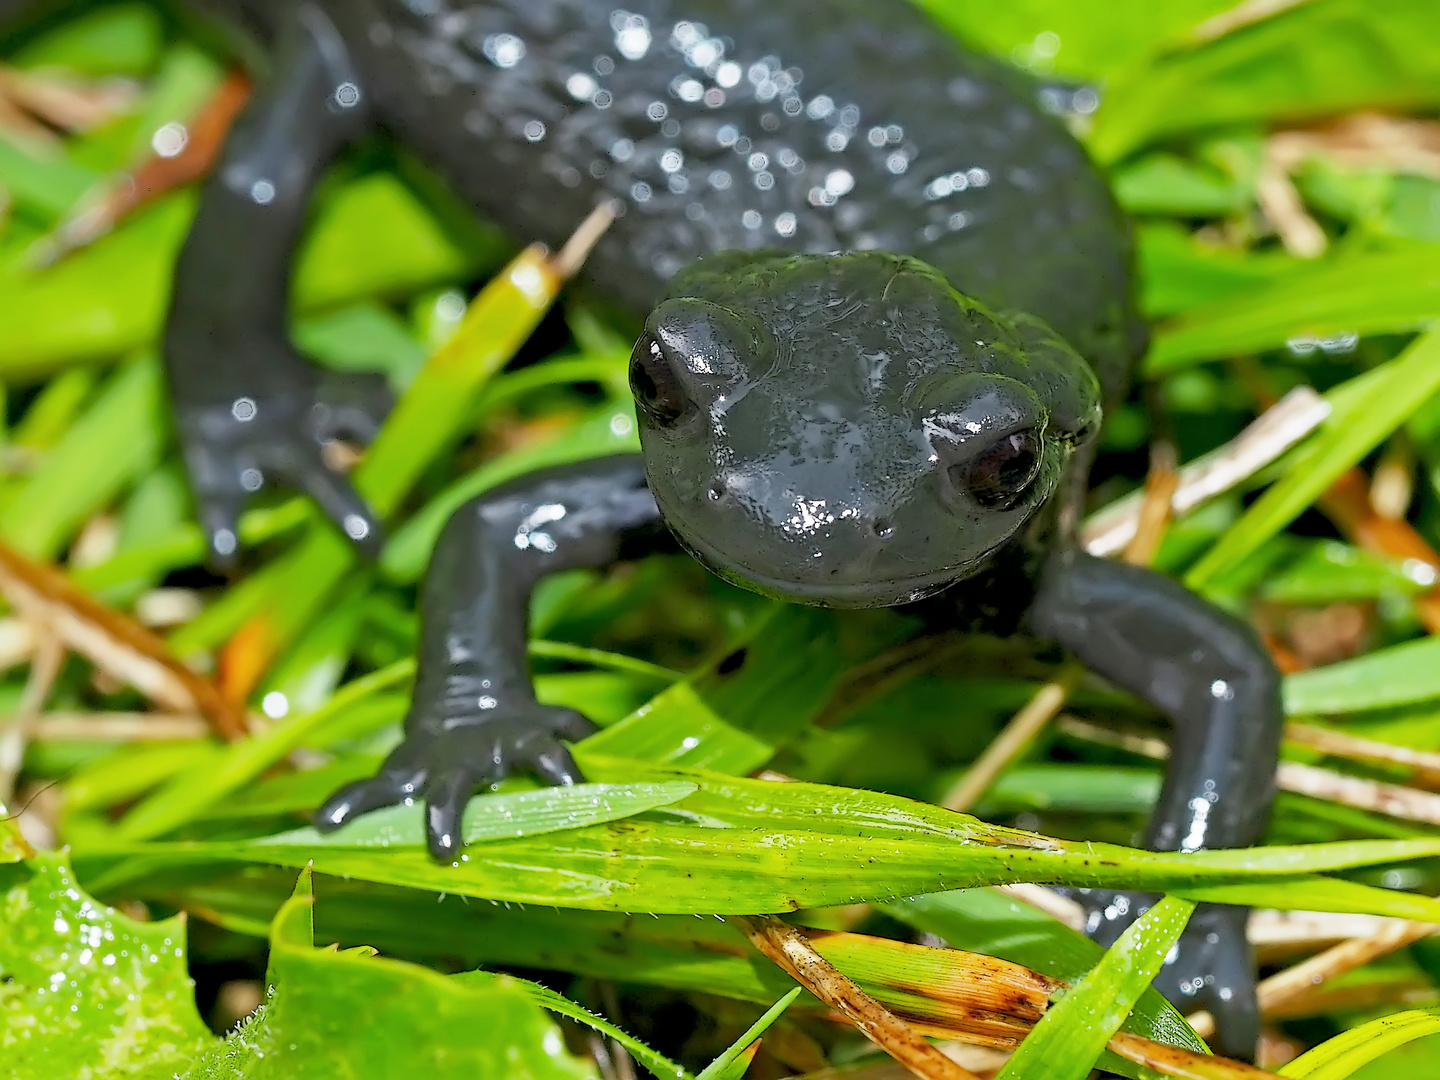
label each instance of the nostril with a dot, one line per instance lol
(717, 491)
(882, 528)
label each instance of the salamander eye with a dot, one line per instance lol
(657, 389)
(1001, 472)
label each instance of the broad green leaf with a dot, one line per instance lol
(1388, 399)
(1341, 1056)
(496, 817)
(355, 1014)
(372, 237)
(1167, 184)
(1178, 273)
(678, 726)
(85, 990)
(733, 716)
(361, 337)
(1399, 675)
(1362, 292)
(1070, 1036)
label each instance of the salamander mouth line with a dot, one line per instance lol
(874, 592)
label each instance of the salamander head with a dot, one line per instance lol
(848, 430)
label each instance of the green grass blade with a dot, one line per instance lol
(724, 1067)
(1380, 292)
(1338, 1058)
(110, 447)
(191, 792)
(989, 922)
(608, 429)
(499, 816)
(1391, 398)
(1070, 1036)
(546, 998)
(100, 302)
(118, 39)
(785, 846)
(435, 407)
(85, 985)
(1399, 675)
(1314, 59)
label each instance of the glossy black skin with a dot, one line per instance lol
(819, 425)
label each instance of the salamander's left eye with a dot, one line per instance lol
(1002, 472)
(657, 387)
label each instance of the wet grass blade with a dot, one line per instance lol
(1070, 1036)
(500, 816)
(1383, 292)
(790, 846)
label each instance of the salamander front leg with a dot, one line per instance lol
(474, 718)
(248, 407)
(1211, 675)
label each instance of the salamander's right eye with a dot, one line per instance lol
(1003, 471)
(656, 385)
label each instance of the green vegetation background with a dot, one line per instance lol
(694, 683)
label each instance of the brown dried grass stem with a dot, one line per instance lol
(791, 950)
